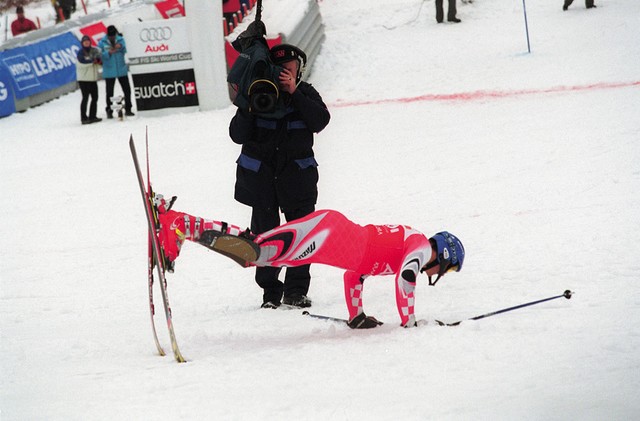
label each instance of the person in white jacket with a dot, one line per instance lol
(88, 73)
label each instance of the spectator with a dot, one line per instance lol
(87, 71)
(588, 3)
(113, 49)
(22, 24)
(451, 12)
(67, 7)
(277, 169)
(57, 10)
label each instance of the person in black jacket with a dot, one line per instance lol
(277, 169)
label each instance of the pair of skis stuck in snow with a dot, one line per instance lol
(241, 250)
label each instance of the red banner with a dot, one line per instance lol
(96, 32)
(170, 9)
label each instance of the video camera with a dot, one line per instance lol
(256, 77)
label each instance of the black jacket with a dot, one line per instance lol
(276, 167)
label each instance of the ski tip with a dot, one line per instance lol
(305, 313)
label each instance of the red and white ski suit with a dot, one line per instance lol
(328, 237)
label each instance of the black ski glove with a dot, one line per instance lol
(362, 321)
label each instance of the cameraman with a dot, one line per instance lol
(277, 169)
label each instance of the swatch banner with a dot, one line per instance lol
(7, 103)
(42, 66)
(153, 91)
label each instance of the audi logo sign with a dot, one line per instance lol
(157, 46)
(160, 33)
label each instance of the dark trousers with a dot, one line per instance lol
(587, 3)
(66, 12)
(451, 12)
(89, 91)
(296, 279)
(126, 90)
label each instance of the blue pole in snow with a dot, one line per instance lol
(526, 26)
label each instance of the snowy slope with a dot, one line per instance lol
(531, 159)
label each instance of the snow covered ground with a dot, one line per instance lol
(533, 160)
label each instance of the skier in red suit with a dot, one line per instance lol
(328, 237)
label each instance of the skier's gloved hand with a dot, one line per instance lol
(362, 321)
(411, 322)
(417, 323)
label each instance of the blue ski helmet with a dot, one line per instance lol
(449, 254)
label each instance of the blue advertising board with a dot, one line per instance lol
(7, 103)
(42, 66)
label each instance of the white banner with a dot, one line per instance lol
(158, 46)
(204, 19)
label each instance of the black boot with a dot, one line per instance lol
(300, 301)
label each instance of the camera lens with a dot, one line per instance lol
(263, 102)
(263, 96)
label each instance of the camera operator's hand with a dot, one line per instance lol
(287, 81)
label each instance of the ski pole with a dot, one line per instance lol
(318, 316)
(526, 25)
(567, 294)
